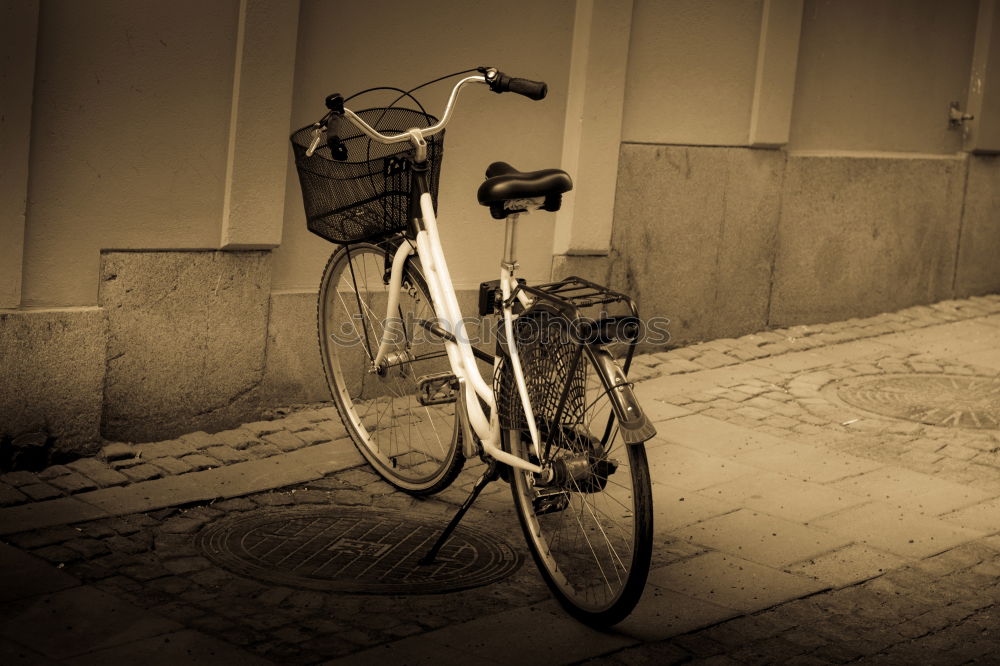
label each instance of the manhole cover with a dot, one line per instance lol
(359, 551)
(964, 401)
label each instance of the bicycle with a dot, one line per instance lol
(558, 420)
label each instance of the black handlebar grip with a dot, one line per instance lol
(500, 83)
(531, 89)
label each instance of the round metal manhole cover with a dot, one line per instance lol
(964, 401)
(358, 551)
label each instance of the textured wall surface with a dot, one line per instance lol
(694, 235)
(186, 340)
(725, 241)
(52, 374)
(863, 236)
(293, 372)
(979, 252)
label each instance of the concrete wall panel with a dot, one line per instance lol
(694, 234)
(979, 250)
(186, 342)
(863, 236)
(51, 374)
(293, 371)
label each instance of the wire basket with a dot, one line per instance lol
(367, 196)
(547, 355)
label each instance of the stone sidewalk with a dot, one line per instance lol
(823, 494)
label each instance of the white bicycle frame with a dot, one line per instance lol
(472, 386)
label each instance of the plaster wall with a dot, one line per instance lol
(441, 38)
(129, 136)
(18, 29)
(691, 72)
(878, 75)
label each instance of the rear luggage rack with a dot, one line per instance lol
(573, 294)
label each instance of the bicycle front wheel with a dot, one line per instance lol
(590, 530)
(402, 416)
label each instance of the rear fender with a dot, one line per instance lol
(634, 425)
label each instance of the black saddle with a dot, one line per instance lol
(505, 183)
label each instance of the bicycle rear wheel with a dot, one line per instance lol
(590, 530)
(401, 418)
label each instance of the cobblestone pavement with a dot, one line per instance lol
(823, 494)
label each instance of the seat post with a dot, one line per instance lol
(509, 244)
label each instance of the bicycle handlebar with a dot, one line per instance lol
(495, 79)
(500, 82)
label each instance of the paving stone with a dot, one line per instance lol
(284, 440)
(54, 471)
(714, 359)
(849, 565)
(235, 504)
(733, 582)
(306, 496)
(200, 439)
(238, 438)
(87, 547)
(58, 554)
(142, 472)
(40, 491)
(185, 565)
(98, 472)
(117, 451)
(262, 450)
(984, 516)
(19, 478)
(10, 495)
(912, 490)
(44, 537)
(783, 496)
(260, 428)
(74, 482)
(199, 462)
(295, 422)
(172, 466)
(226, 454)
(173, 448)
(119, 465)
(313, 436)
(896, 530)
(762, 538)
(274, 499)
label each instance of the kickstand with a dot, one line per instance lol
(492, 473)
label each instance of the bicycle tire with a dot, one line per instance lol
(593, 551)
(413, 446)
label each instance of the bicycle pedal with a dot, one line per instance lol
(437, 389)
(552, 502)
